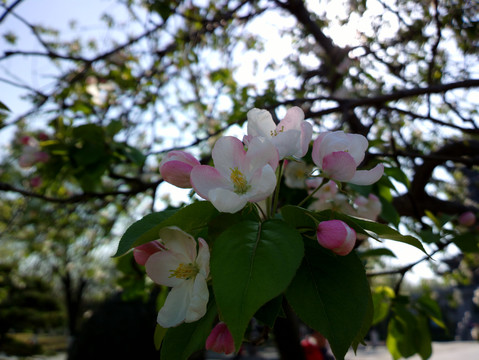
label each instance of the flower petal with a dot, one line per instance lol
(159, 267)
(176, 305)
(316, 155)
(227, 154)
(288, 143)
(292, 120)
(368, 177)
(198, 299)
(260, 152)
(204, 178)
(262, 185)
(203, 258)
(339, 166)
(180, 242)
(260, 123)
(225, 200)
(306, 135)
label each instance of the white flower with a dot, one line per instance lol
(184, 269)
(239, 176)
(291, 136)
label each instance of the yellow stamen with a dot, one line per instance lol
(240, 184)
(185, 271)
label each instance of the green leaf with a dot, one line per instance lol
(141, 230)
(191, 219)
(331, 294)
(182, 341)
(382, 296)
(431, 309)
(159, 335)
(252, 263)
(408, 334)
(376, 252)
(468, 242)
(302, 218)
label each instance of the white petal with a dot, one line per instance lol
(261, 151)
(203, 258)
(260, 123)
(262, 185)
(368, 177)
(176, 305)
(225, 200)
(160, 264)
(176, 240)
(288, 143)
(227, 154)
(198, 300)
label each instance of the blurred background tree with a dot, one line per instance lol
(100, 108)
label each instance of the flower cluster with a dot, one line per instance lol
(248, 171)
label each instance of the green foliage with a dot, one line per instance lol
(331, 294)
(251, 264)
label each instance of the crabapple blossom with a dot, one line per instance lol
(239, 176)
(467, 218)
(31, 155)
(220, 340)
(328, 197)
(179, 265)
(368, 208)
(296, 173)
(338, 155)
(176, 167)
(291, 136)
(143, 252)
(337, 236)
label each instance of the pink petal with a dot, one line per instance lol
(306, 135)
(143, 252)
(205, 178)
(317, 157)
(220, 339)
(339, 166)
(368, 177)
(176, 173)
(292, 120)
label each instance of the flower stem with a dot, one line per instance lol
(325, 180)
(279, 174)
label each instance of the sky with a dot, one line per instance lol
(59, 13)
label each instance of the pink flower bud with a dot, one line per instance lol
(176, 167)
(467, 219)
(25, 140)
(143, 252)
(42, 136)
(36, 181)
(41, 156)
(336, 236)
(220, 340)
